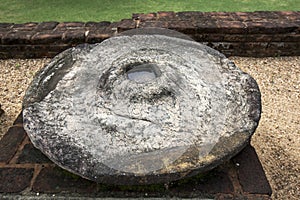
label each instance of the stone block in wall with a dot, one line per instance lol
(96, 37)
(17, 37)
(74, 36)
(55, 179)
(182, 26)
(126, 24)
(231, 27)
(63, 26)
(93, 26)
(6, 26)
(268, 27)
(250, 171)
(166, 15)
(45, 26)
(30, 26)
(10, 143)
(47, 37)
(25, 40)
(144, 17)
(15, 179)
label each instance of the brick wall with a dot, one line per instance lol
(256, 34)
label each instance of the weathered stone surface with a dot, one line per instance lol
(141, 109)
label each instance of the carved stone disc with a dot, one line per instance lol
(141, 109)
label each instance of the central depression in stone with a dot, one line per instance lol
(142, 72)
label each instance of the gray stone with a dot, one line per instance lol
(139, 109)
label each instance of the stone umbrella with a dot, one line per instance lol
(147, 106)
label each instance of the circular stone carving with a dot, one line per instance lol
(141, 109)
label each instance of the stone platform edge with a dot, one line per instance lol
(255, 34)
(25, 173)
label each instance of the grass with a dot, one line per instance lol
(20, 11)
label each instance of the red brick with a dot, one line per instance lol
(55, 180)
(206, 26)
(19, 119)
(47, 37)
(213, 182)
(10, 142)
(231, 27)
(69, 25)
(160, 24)
(127, 24)
(145, 17)
(46, 26)
(30, 26)
(190, 16)
(185, 27)
(236, 27)
(166, 15)
(17, 37)
(96, 37)
(74, 36)
(30, 154)
(96, 25)
(6, 25)
(213, 37)
(250, 171)
(15, 180)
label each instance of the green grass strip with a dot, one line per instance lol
(20, 11)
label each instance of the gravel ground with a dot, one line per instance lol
(276, 140)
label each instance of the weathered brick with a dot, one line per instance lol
(239, 38)
(190, 16)
(30, 26)
(46, 26)
(214, 182)
(185, 27)
(96, 25)
(160, 24)
(166, 15)
(63, 26)
(19, 119)
(10, 143)
(125, 25)
(236, 27)
(17, 37)
(250, 171)
(96, 37)
(55, 180)
(231, 27)
(15, 180)
(47, 37)
(74, 36)
(145, 17)
(6, 25)
(30, 154)
(2, 34)
(213, 37)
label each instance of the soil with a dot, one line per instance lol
(276, 140)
